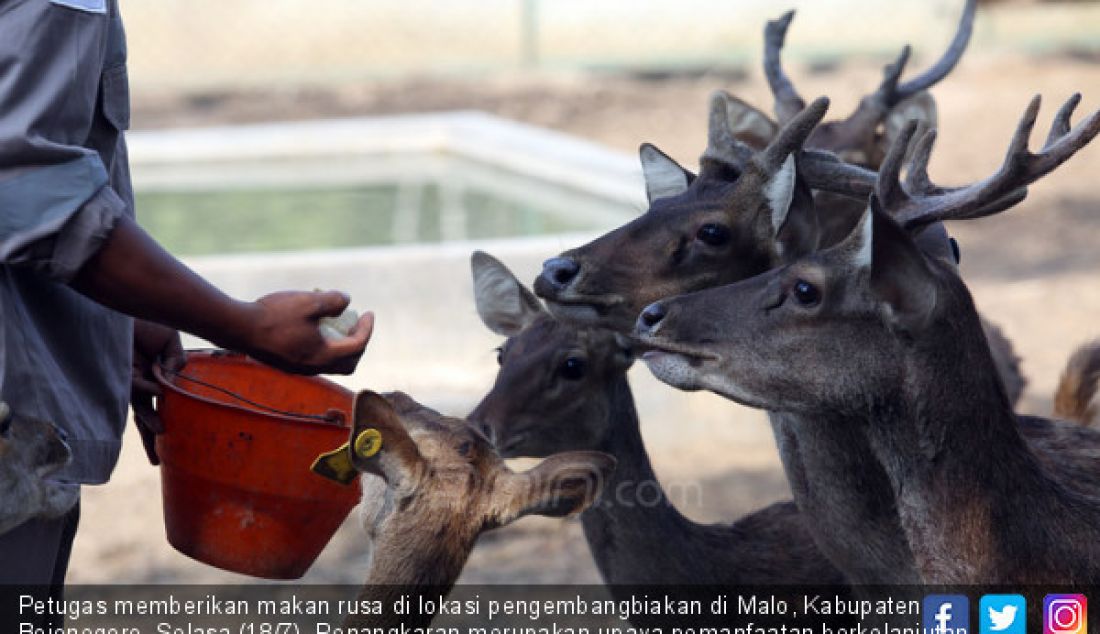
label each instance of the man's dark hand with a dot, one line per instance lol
(285, 333)
(154, 344)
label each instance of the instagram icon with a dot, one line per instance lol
(1065, 614)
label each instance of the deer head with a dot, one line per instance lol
(31, 451)
(745, 211)
(550, 394)
(440, 484)
(822, 333)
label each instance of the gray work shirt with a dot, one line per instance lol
(64, 184)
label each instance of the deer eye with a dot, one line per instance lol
(805, 293)
(574, 368)
(712, 234)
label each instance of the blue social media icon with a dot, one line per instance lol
(1002, 614)
(946, 614)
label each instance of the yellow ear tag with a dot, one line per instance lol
(336, 465)
(368, 443)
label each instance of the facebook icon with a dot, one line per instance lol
(946, 614)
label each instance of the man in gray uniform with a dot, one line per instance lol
(75, 268)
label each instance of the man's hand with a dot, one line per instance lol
(133, 274)
(285, 333)
(153, 344)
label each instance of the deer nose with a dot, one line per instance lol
(650, 318)
(560, 271)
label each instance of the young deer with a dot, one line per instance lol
(746, 212)
(31, 451)
(564, 388)
(434, 485)
(875, 336)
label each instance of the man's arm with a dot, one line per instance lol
(133, 274)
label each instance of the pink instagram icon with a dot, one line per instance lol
(1065, 614)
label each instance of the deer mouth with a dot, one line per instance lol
(652, 347)
(590, 310)
(603, 302)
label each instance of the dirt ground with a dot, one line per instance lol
(1033, 270)
(978, 108)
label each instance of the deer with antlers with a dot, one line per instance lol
(431, 486)
(563, 388)
(860, 140)
(747, 211)
(876, 336)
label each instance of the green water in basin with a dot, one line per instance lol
(294, 219)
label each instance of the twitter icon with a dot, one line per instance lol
(1002, 614)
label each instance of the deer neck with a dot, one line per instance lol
(411, 560)
(964, 478)
(634, 520)
(843, 491)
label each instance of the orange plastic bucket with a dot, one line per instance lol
(235, 475)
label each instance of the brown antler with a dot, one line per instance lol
(824, 171)
(787, 102)
(792, 135)
(920, 202)
(889, 92)
(945, 64)
(724, 148)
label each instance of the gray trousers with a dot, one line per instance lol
(34, 558)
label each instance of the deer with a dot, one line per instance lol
(864, 136)
(879, 337)
(860, 140)
(564, 388)
(31, 452)
(431, 485)
(746, 212)
(1076, 391)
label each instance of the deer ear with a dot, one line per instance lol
(921, 108)
(900, 277)
(779, 192)
(856, 249)
(563, 484)
(504, 304)
(801, 231)
(381, 445)
(749, 125)
(664, 177)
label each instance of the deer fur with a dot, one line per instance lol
(31, 451)
(659, 254)
(666, 252)
(888, 345)
(435, 486)
(1076, 391)
(565, 388)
